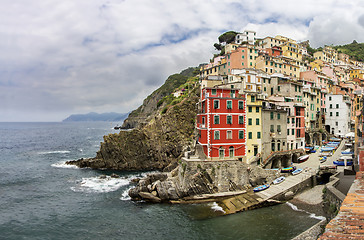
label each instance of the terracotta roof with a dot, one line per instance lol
(349, 223)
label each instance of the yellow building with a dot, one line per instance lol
(253, 127)
(291, 50)
(356, 73)
(328, 54)
(317, 65)
(272, 65)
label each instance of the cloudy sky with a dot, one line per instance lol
(76, 56)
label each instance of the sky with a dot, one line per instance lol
(77, 56)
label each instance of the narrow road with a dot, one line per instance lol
(313, 161)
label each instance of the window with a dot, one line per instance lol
(271, 128)
(330, 105)
(258, 135)
(279, 128)
(216, 104)
(217, 135)
(241, 134)
(250, 109)
(337, 105)
(241, 119)
(292, 131)
(229, 120)
(330, 114)
(252, 98)
(329, 98)
(337, 123)
(216, 119)
(221, 153)
(337, 114)
(271, 115)
(250, 135)
(229, 134)
(231, 151)
(273, 146)
(249, 121)
(257, 121)
(241, 105)
(278, 116)
(287, 131)
(229, 104)
(257, 109)
(279, 88)
(287, 120)
(203, 120)
(213, 92)
(293, 120)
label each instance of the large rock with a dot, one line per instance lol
(156, 146)
(149, 197)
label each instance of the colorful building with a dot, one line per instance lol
(221, 124)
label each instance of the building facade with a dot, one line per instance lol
(221, 124)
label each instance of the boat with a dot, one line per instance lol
(342, 163)
(288, 169)
(303, 158)
(323, 159)
(297, 171)
(279, 180)
(261, 188)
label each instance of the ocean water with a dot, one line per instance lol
(42, 198)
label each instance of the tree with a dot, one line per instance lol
(227, 37)
(217, 46)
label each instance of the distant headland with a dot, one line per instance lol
(92, 116)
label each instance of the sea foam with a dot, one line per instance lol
(216, 207)
(311, 215)
(54, 152)
(100, 185)
(62, 164)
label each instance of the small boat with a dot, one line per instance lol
(303, 158)
(323, 159)
(117, 127)
(288, 169)
(342, 163)
(279, 180)
(261, 188)
(297, 171)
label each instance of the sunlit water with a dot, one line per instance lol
(42, 198)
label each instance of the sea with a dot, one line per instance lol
(43, 198)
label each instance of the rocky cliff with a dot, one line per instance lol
(194, 177)
(155, 145)
(149, 109)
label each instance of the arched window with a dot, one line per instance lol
(221, 153)
(231, 152)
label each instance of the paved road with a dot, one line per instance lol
(313, 162)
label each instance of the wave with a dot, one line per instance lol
(125, 195)
(216, 207)
(62, 164)
(311, 215)
(100, 185)
(53, 152)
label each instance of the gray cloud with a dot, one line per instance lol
(64, 57)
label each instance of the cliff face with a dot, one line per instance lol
(156, 145)
(149, 109)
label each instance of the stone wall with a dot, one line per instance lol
(333, 198)
(226, 175)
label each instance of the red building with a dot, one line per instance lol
(221, 123)
(300, 126)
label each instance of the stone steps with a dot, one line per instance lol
(249, 200)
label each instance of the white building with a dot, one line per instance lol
(246, 36)
(338, 114)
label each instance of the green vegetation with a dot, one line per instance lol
(355, 50)
(170, 100)
(227, 37)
